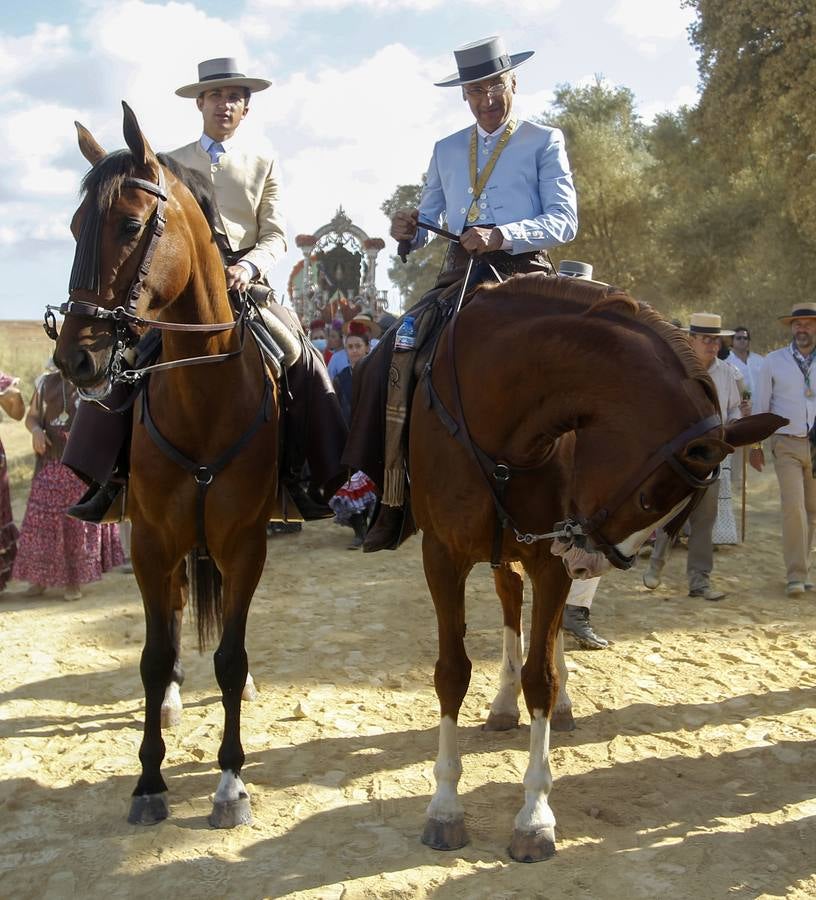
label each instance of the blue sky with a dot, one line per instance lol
(351, 114)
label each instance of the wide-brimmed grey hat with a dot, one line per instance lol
(573, 268)
(221, 72)
(483, 59)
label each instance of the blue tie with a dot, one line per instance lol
(215, 151)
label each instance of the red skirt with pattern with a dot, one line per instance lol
(55, 550)
(357, 495)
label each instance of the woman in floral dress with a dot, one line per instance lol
(11, 402)
(55, 550)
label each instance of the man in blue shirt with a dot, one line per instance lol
(505, 185)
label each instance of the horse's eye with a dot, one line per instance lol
(644, 502)
(131, 227)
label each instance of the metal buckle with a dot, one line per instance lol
(501, 473)
(203, 470)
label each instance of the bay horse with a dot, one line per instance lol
(145, 254)
(579, 420)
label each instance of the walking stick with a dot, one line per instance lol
(744, 492)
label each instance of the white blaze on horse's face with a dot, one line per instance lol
(635, 541)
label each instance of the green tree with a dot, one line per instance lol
(417, 275)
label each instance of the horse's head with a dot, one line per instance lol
(121, 268)
(621, 499)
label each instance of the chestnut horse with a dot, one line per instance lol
(145, 249)
(581, 420)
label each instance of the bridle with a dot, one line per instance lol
(85, 277)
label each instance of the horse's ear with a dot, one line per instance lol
(701, 455)
(753, 429)
(136, 141)
(88, 146)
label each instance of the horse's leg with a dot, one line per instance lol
(562, 718)
(149, 803)
(534, 833)
(171, 705)
(445, 823)
(231, 805)
(504, 710)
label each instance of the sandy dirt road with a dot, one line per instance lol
(692, 772)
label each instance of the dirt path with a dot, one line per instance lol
(692, 771)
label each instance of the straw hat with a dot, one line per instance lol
(707, 323)
(800, 311)
(221, 72)
(483, 59)
(364, 321)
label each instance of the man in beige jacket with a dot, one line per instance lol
(250, 233)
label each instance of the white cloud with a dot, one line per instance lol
(43, 49)
(687, 95)
(651, 20)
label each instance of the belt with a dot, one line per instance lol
(503, 262)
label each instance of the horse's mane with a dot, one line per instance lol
(597, 300)
(106, 178)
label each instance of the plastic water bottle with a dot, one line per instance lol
(405, 338)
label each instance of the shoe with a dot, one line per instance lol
(576, 622)
(99, 503)
(651, 577)
(808, 586)
(72, 593)
(274, 528)
(310, 508)
(792, 588)
(707, 593)
(386, 530)
(358, 523)
(34, 590)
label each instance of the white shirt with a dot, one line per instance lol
(748, 369)
(725, 380)
(779, 387)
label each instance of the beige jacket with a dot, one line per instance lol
(247, 193)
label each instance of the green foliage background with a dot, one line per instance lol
(712, 208)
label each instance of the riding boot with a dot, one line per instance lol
(576, 622)
(310, 507)
(101, 503)
(314, 430)
(386, 531)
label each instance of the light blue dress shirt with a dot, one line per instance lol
(529, 196)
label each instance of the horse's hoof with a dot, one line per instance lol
(229, 813)
(531, 846)
(170, 716)
(562, 721)
(501, 722)
(148, 809)
(445, 835)
(250, 692)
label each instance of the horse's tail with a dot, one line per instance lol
(205, 588)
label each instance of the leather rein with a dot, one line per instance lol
(576, 529)
(124, 318)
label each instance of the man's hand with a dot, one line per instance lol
(39, 440)
(404, 224)
(481, 240)
(745, 408)
(757, 458)
(237, 278)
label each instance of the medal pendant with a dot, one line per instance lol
(473, 215)
(808, 392)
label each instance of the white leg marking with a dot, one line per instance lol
(230, 788)
(505, 702)
(171, 705)
(445, 805)
(536, 814)
(563, 704)
(250, 692)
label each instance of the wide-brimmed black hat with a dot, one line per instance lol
(483, 59)
(221, 72)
